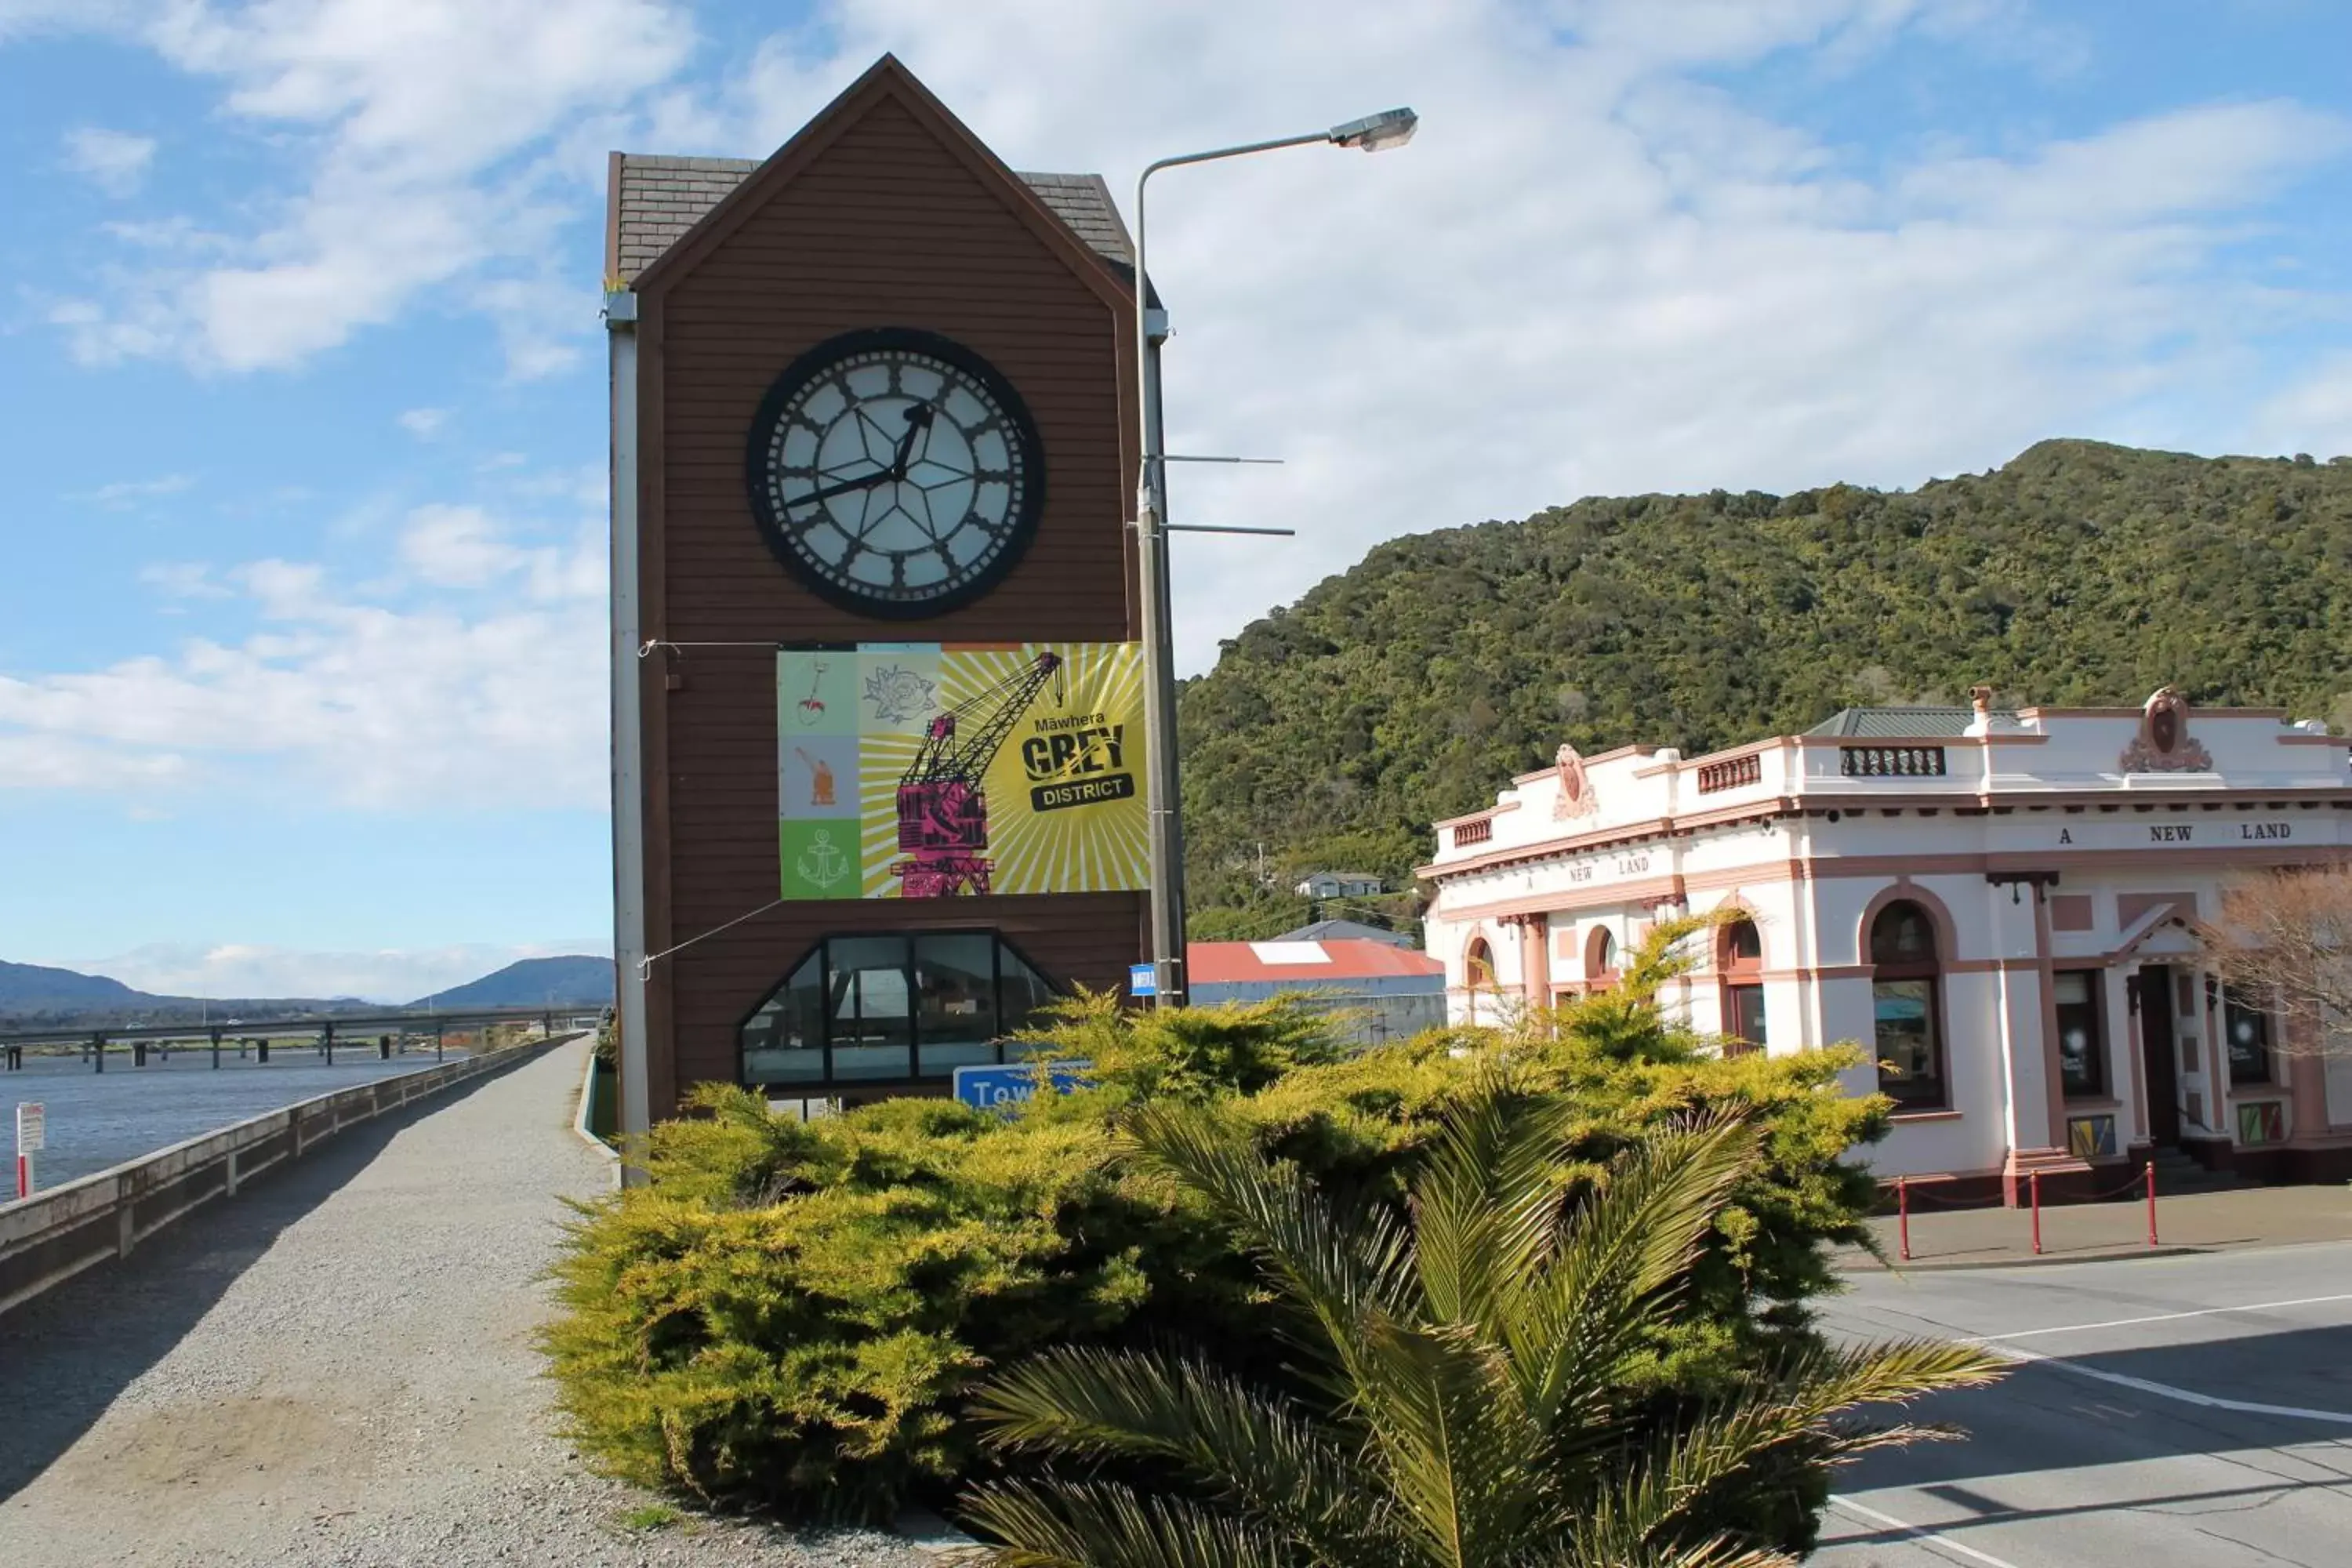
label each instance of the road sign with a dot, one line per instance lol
(1003, 1088)
(1142, 980)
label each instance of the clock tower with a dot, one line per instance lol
(876, 794)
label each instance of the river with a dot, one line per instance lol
(98, 1119)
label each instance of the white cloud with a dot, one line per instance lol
(116, 161)
(1592, 273)
(183, 580)
(475, 679)
(33, 760)
(466, 547)
(246, 970)
(125, 492)
(2210, 158)
(424, 127)
(424, 423)
(2313, 414)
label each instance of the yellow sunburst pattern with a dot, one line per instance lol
(1064, 782)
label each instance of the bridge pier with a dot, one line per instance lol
(261, 1050)
(216, 1034)
(327, 1044)
(139, 1053)
(98, 1051)
(383, 1047)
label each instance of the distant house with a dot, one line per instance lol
(1388, 991)
(1338, 885)
(1345, 930)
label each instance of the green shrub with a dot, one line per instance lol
(796, 1313)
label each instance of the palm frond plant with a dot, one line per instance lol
(1467, 1396)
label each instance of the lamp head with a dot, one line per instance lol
(1377, 132)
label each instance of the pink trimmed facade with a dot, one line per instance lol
(1995, 903)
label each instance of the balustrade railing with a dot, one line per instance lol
(1731, 773)
(1891, 762)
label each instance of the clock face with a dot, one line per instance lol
(895, 472)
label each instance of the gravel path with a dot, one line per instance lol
(336, 1369)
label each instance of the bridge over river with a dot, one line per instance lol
(336, 1366)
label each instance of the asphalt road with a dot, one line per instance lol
(2192, 1410)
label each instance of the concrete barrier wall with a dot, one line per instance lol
(51, 1237)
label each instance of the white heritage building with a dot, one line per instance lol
(1996, 903)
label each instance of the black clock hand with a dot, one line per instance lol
(919, 419)
(863, 482)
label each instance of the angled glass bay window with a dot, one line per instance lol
(889, 1008)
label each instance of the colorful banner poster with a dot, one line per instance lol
(937, 770)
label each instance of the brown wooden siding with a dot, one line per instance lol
(886, 228)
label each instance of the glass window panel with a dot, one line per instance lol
(1747, 1012)
(2247, 1030)
(872, 1021)
(1904, 1020)
(1744, 942)
(955, 1000)
(2082, 1052)
(1605, 956)
(784, 1040)
(1025, 991)
(1901, 934)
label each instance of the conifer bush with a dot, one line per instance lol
(797, 1315)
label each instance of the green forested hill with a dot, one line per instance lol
(1414, 684)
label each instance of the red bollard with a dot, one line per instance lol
(1902, 1215)
(2151, 1203)
(2033, 1184)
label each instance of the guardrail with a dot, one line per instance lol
(51, 1237)
(323, 1024)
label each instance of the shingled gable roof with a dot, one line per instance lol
(665, 212)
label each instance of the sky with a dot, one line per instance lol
(302, 400)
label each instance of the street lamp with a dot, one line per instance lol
(1373, 133)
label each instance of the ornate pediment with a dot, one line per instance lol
(2164, 744)
(1575, 797)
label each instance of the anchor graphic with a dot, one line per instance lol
(822, 865)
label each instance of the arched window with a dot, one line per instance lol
(1741, 963)
(1906, 1006)
(1599, 959)
(1477, 972)
(893, 1006)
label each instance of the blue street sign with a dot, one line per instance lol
(1142, 980)
(1003, 1088)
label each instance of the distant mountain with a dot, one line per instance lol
(36, 988)
(569, 981)
(34, 996)
(1418, 682)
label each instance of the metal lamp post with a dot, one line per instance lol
(1373, 133)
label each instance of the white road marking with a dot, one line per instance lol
(2167, 1391)
(1917, 1531)
(2159, 1318)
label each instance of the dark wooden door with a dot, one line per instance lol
(2160, 1054)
